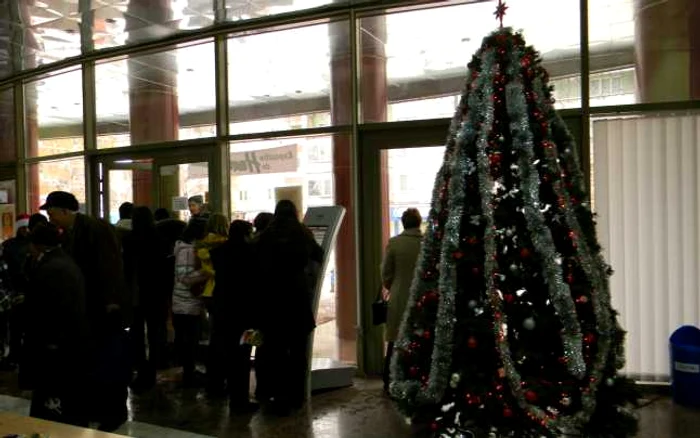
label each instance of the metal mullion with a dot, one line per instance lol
(221, 82)
(585, 147)
(59, 157)
(21, 185)
(308, 132)
(87, 18)
(90, 137)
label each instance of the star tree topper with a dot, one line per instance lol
(500, 11)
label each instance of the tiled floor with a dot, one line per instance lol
(357, 412)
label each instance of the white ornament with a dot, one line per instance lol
(472, 304)
(610, 381)
(529, 323)
(566, 401)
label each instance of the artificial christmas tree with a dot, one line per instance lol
(509, 330)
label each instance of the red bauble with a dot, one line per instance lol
(472, 342)
(413, 371)
(531, 396)
(582, 299)
(434, 426)
(525, 253)
(427, 334)
(509, 298)
(507, 412)
(476, 270)
(457, 255)
(570, 278)
(495, 159)
(589, 338)
(472, 240)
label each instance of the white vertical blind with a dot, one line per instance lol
(647, 198)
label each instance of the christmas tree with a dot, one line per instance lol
(509, 330)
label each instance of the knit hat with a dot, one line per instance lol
(22, 221)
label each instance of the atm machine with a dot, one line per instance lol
(325, 373)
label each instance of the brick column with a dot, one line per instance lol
(667, 41)
(154, 113)
(373, 97)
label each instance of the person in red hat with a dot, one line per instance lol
(15, 255)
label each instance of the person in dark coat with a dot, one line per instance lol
(57, 338)
(148, 254)
(235, 310)
(286, 250)
(93, 245)
(15, 253)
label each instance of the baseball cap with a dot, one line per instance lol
(60, 199)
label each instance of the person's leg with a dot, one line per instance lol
(217, 355)
(387, 365)
(299, 365)
(16, 331)
(191, 328)
(137, 339)
(262, 392)
(239, 378)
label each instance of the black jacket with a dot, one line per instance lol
(56, 326)
(235, 292)
(94, 246)
(285, 252)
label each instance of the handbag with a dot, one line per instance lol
(380, 308)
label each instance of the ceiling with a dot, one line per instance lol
(295, 65)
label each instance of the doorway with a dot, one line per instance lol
(155, 180)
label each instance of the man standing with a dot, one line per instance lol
(95, 248)
(56, 340)
(398, 265)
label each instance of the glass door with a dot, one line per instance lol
(155, 180)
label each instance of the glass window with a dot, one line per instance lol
(421, 56)
(245, 9)
(54, 114)
(8, 209)
(8, 145)
(39, 32)
(649, 46)
(156, 97)
(260, 171)
(411, 175)
(303, 71)
(46, 176)
(143, 20)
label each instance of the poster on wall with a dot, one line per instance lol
(180, 203)
(292, 193)
(275, 160)
(7, 213)
(7, 191)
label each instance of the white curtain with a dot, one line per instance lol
(647, 198)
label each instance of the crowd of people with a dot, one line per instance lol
(87, 305)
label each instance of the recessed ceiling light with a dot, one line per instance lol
(110, 20)
(190, 69)
(298, 91)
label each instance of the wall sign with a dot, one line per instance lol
(276, 160)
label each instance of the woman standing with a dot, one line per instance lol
(398, 265)
(286, 250)
(187, 300)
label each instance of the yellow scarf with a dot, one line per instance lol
(203, 247)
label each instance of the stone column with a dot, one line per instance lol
(154, 113)
(373, 103)
(667, 42)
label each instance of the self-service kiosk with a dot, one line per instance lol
(324, 223)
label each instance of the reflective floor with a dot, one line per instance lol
(361, 411)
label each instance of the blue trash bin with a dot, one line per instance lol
(685, 366)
